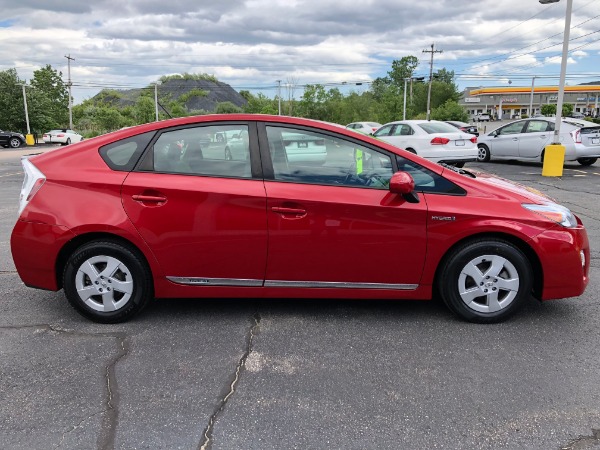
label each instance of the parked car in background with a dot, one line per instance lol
(11, 139)
(482, 117)
(364, 127)
(63, 136)
(431, 139)
(372, 221)
(464, 126)
(526, 139)
(577, 115)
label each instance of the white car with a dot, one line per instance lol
(431, 139)
(364, 127)
(64, 137)
(526, 139)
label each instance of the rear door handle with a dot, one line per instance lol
(158, 199)
(296, 213)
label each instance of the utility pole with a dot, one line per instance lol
(279, 96)
(69, 84)
(404, 108)
(432, 51)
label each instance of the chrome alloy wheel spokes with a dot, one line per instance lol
(104, 283)
(488, 283)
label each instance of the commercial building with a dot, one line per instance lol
(514, 101)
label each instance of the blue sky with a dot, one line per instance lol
(252, 43)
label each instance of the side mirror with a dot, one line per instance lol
(495, 133)
(402, 183)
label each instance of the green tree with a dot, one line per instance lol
(12, 111)
(401, 69)
(450, 110)
(53, 95)
(227, 108)
(550, 109)
(144, 110)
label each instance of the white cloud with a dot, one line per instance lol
(255, 42)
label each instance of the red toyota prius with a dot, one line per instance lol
(270, 206)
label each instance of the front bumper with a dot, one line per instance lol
(560, 251)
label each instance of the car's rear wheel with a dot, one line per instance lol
(68, 141)
(107, 282)
(587, 161)
(15, 142)
(483, 154)
(486, 280)
(412, 150)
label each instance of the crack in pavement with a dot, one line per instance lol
(584, 442)
(207, 435)
(106, 437)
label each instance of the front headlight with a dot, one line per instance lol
(555, 213)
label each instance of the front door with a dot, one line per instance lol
(335, 223)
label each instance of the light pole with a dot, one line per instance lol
(404, 109)
(556, 147)
(530, 112)
(29, 137)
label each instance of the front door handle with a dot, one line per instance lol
(290, 213)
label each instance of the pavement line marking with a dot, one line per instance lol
(579, 175)
(10, 174)
(575, 170)
(596, 173)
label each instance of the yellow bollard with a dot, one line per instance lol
(554, 160)
(29, 139)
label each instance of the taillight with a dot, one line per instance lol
(474, 139)
(576, 135)
(439, 141)
(33, 181)
(60, 135)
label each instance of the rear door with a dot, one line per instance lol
(202, 215)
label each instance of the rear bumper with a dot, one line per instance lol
(35, 247)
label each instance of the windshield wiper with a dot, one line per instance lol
(458, 170)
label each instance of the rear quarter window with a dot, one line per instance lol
(123, 155)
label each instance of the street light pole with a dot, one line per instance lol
(563, 72)
(531, 97)
(25, 104)
(404, 109)
(554, 154)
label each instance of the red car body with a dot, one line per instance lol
(270, 238)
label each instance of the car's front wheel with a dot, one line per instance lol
(107, 282)
(586, 161)
(483, 154)
(15, 142)
(486, 280)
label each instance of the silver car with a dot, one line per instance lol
(526, 139)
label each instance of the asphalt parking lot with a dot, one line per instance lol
(290, 374)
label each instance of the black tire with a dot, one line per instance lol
(483, 154)
(68, 141)
(412, 150)
(14, 142)
(485, 281)
(119, 287)
(587, 161)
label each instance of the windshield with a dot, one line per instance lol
(436, 127)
